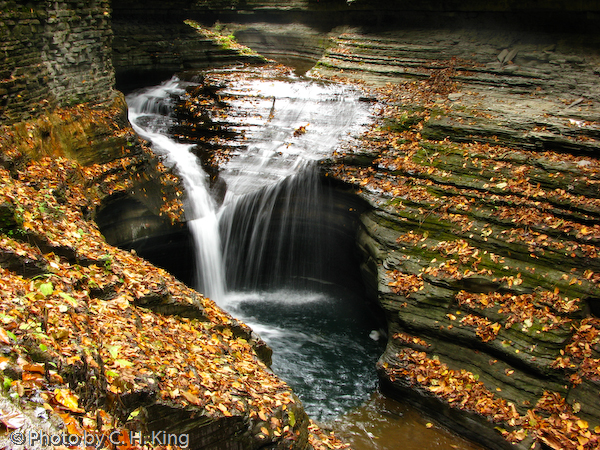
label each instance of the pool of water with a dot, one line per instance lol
(322, 335)
(321, 345)
(384, 424)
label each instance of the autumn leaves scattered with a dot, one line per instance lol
(77, 330)
(581, 357)
(512, 234)
(552, 421)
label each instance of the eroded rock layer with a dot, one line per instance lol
(482, 245)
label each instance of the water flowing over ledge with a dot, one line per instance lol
(287, 124)
(266, 247)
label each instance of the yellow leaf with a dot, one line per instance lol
(582, 424)
(69, 400)
(224, 410)
(582, 440)
(73, 359)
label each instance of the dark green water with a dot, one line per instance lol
(323, 350)
(321, 345)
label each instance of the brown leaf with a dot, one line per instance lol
(191, 398)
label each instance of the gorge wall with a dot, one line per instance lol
(55, 54)
(482, 174)
(66, 147)
(482, 239)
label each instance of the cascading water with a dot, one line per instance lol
(150, 114)
(274, 195)
(271, 231)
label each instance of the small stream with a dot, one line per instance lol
(266, 249)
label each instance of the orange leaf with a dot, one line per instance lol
(73, 359)
(4, 338)
(191, 398)
(72, 424)
(39, 368)
(125, 442)
(4, 362)
(32, 376)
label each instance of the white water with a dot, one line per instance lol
(329, 113)
(149, 114)
(268, 112)
(267, 232)
(320, 339)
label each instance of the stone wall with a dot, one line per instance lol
(23, 75)
(55, 54)
(466, 247)
(148, 52)
(530, 14)
(77, 51)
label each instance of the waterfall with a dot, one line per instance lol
(273, 233)
(265, 250)
(150, 113)
(271, 207)
(275, 237)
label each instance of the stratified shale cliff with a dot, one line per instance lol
(482, 245)
(55, 54)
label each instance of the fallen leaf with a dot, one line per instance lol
(13, 420)
(193, 399)
(69, 400)
(4, 338)
(39, 368)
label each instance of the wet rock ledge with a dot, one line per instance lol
(482, 243)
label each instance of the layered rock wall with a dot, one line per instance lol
(150, 51)
(577, 16)
(55, 54)
(59, 105)
(484, 257)
(482, 243)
